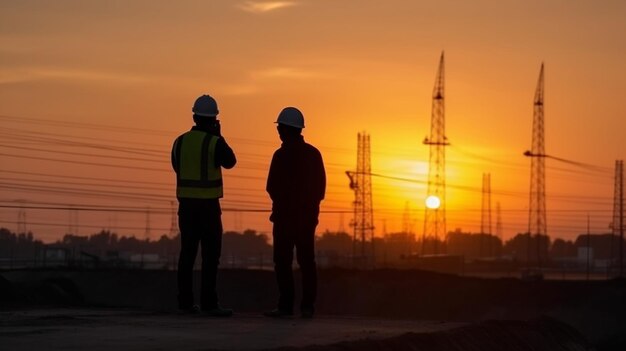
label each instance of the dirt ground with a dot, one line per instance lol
(356, 310)
(109, 329)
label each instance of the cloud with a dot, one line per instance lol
(284, 72)
(238, 89)
(35, 74)
(265, 6)
(257, 81)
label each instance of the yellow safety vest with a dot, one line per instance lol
(197, 177)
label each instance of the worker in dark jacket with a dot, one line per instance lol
(296, 184)
(197, 158)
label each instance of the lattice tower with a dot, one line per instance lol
(499, 222)
(72, 227)
(537, 224)
(485, 222)
(148, 222)
(21, 221)
(361, 183)
(435, 218)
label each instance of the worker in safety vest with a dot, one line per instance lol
(296, 184)
(197, 158)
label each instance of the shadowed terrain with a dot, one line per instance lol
(474, 313)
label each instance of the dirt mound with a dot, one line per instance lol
(538, 335)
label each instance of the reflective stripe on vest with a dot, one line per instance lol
(197, 176)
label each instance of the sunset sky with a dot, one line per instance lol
(86, 84)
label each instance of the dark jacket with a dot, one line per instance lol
(297, 180)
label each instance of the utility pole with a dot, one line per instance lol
(435, 213)
(361, 184)
(537, 224)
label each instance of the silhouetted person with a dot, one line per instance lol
(296, 184)
(197, 158)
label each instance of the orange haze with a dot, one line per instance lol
(69, 69)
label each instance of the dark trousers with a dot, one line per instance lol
(288, 235)
(200, 222)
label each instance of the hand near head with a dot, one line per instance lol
(217, 128)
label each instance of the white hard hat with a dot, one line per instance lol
(205, 106)
(291, 116)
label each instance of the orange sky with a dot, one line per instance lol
(68, 68)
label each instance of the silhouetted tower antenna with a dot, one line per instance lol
(77, 222)
(147, 231)
(485, 215)
(173, 220)
(73, 222)
(485, 222)
(342, 228)
(239, 216)
(70, 224)
(499, 222)
(537, 224)
(435, 214)
(111, 221)
(361, 184)
(407, 227)
(406, 219)
(21, 218)
(618, 211)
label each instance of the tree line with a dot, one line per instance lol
(251, 245)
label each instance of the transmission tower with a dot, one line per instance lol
(111, 222)
(618, 211)
(238, 221)
(435, 214)
(341, 228)
(485, 222)
(407, 227)
(21, 219)
(499, 222)
(72, 227)
(147, 231)
(537, 224)
(361, 183)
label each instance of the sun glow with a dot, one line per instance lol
(433, 202)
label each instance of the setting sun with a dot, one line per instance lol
(433, 202)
